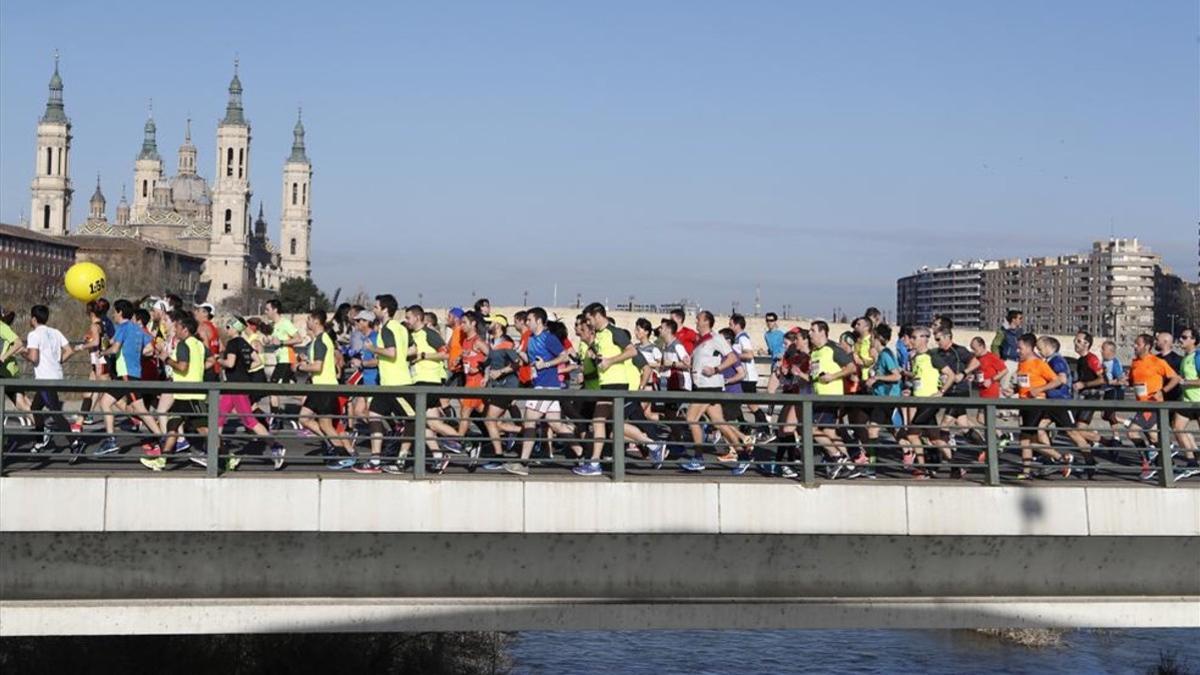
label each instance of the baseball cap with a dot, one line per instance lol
(794, 331)
(456, 312)
(162, 305)
(207, 306)
(499, 320)
(365, 315)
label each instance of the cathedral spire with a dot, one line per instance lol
(298, 153)
(149, 136)
(54, 103)
(233, 110)
(187, 151)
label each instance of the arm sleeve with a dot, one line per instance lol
(183, 352)
(320, 351)
(434, 339)
(389, 338)
(620, 337)
(840, 356)
(721, 345)
(554, 346)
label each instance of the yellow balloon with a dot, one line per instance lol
(85, 281)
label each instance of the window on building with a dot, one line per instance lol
(229, 162)
(45, 215)
(228, 221)
(241, 162)
(49, 160)
(294, 193)
(293, 246)
(60, 160)
(304, 193)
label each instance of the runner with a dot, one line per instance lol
(791, 376)
(1035, 378)
(1189, 373)
(774, 339)
(987, 383)
(1089, 386)
(236, 361)
(686, 336)
(391, 348)
(1064, 419)
(211, 338)
(743, 346)
(923, 430)
(428, 354)
(830, 365)
(957, 385)
(284, 339)
(319, 410)
(1152, 379)
(363, 361)
(544, 353)
(130, 343)
(1004, 345)
(712, 355)
(882, 379)
(188, 411)
(47, 349)
(502, 364)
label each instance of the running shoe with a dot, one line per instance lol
(493, 466)
(788, 472)
(920, 475)
(693, 465)
(728, 457)
(1148, 473)
(182, 444)
(1024, 475)
(395, 468)
(836, 470)
(76, 427)
(44, 444)
(908, 457)
(107, 447)
(658, 452)
(765, 437)
(368, 466)
(199, 458)
(1188, 472)
(517, 468)
(450, 445)
(278, 452)
(232, 462)
(76, 450)
(587, 469)
(740, 468)
(339, 463)
(439, 465)
(1068, 460)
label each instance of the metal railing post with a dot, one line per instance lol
(618, 438)
(806, 440)
(1167, 465)
(993, 448)
(419, 437)
(3, 423)
(214, 433)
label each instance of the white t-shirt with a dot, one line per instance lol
(675, 353)
(709, 352)
(50, 343)
(740, 345)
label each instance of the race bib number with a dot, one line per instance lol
(1142, 390)
(1023, 381)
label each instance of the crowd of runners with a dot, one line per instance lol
(497, 424)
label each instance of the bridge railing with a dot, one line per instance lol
(804, 437)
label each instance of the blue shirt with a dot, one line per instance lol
(370, 374)
(1059, 365)
(775, 346)
(133, 340)
(886, 364)
(544, 347)
(903, 359)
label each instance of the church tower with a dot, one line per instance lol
(96, 206)
(51, 209)
(147, 170)
(296, 218)
(228, 260)
(123, 210)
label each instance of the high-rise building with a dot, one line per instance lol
(1108, 291)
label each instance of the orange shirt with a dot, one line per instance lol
(1033, 373)
(525, 372)
(456, 348)
(1148, 375)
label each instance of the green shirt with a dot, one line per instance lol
(285, 330)
(9, 368)
(1188, 370)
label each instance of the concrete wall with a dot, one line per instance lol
(241, 554)
(351, 504)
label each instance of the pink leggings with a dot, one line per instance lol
(236, 403)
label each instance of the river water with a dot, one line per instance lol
(860, 651)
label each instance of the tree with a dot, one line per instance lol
(301, 295)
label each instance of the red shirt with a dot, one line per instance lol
(990, 368)
(688, 338)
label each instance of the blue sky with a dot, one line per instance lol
(659, 149)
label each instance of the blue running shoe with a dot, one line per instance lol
(182, 444)
(740, 468)
(107, 447)
(692, 465)
(339, 463)
(587, 469)
(493, 466)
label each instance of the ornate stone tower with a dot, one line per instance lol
(123, 210)
(147, 170)
(51, 209)
(228, 260)
(296, 217)
(96, 205)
